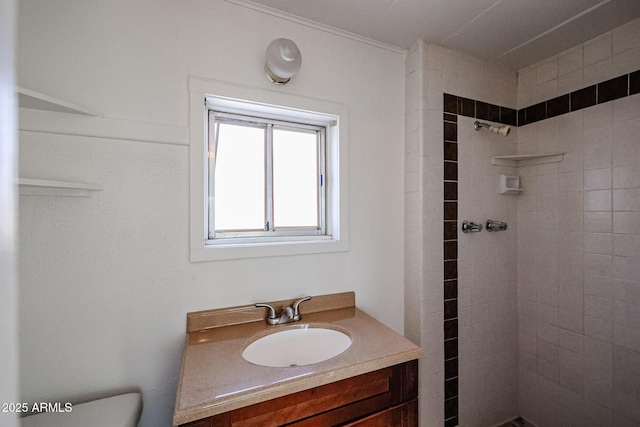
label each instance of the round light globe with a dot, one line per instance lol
(283, 60)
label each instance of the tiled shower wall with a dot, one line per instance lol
(578, 250)
(482, 380)
(579, 244)
(486, 281)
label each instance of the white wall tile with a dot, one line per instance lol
(547, 70)
(600, 222)
(626, 37)
(571, 341)
(598, 286)
(571, 320)
(598, 243)
(626, 222)
(626, 150)
(601, 329)
(627, 199)
(597, 49)
(626, 108)
(597, 179)
(626, 268)
(597, 201)
(571, 60)
(601, 308)
(626, 245)
(598, 72)
(626, 176)
(626, 62)
(570, 82)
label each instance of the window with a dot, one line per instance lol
(265, 179)
(268, 173)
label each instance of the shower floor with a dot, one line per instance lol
(518, 422)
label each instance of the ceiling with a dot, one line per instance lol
(515, 33)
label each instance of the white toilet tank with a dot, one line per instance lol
(117, 411)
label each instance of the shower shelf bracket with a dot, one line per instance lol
(43, 187)
(527, 159)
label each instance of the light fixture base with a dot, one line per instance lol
(273, 78)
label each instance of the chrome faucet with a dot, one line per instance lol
(288, 314)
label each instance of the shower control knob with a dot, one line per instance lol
(471, 227)
(496, 225)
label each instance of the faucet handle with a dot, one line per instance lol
(296, 310)
(272, 313)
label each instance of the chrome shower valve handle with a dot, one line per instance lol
(496, 225)
(471, 227)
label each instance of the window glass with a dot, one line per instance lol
(295, 179)
(239, 178)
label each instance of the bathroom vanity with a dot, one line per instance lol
(373, 382)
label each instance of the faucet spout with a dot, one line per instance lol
(287, 315)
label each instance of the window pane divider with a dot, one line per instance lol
(269, 178)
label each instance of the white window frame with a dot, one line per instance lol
(268, 234)
(231, 98)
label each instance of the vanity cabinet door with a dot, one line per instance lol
(405, 415)
(200, 423)
(386, 397)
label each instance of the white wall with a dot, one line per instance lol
(8, 232)
(105, 281)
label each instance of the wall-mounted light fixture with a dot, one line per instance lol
(283, 60)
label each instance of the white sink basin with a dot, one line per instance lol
(296, 347)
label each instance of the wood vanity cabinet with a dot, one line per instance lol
(384, 398)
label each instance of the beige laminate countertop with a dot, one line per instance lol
(215, 378)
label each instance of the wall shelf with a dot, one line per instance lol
(527, 159)
(28, 98)
(43, 187)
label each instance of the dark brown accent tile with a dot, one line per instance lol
(508, 116)
(522, 117)
(451, 191)
(451, 422)
(451, 171)
(451, 249)
(450, 289)
(450, 349)
(466, 107)
(558, 106)
(450, 103)
(613, 89)
(450, 230)
(451, 312)
(451, 118)
(583, 98)
(493, 113)
(482, 110)
(450, 409)
(634, 83)
(451, 211)
(451, 328)
(450, 269)
(536, 112)
(450, 369)
(450, 388)
(451, 151)
(450, 131)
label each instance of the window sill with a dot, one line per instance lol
(266, 249)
